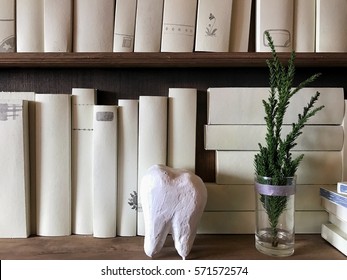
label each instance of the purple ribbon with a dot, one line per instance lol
(274, 190)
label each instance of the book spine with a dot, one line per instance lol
(342, 187)
(333, 208)
(335, 197)
(105, 123)
(83, 100)
(57, 25)
(7, 26)
(127, 166)
(53, 164)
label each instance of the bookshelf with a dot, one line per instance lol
(129, 75)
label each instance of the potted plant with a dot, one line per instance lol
(275, 167)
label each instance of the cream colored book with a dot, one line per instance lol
(152, 141)
(30, 25)
(53, 164)
(237, 167)
(247, 137)
(182, 128)
(149, 21)
(7, 26)
(304, 25)
(178, 31)
(58, 16)
(105, 133)
(14, 169)
(276, 17)
(93, 25)
(83, 101)
(335, 237)
(213, 25)
(344, 150)
(240, 25)
(342, 225)
(124, 26)
(236, 105)
(331, 22)
(128, 123)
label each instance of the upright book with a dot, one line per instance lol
(14, 169)
(7, 26)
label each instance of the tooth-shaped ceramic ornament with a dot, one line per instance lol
(173, 201)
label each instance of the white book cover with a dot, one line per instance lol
(178, 31)
(14, 169)
(342, 225)
(53, 164)
(276, 17)
(105, 122)
(247, 137)
(331, 22)
(333, 208)
(213, 25)
(128, 122)
(240, 25)
(344, 150)
(83, 101)
(29, 25)
(304, 25)
(7, 26)
(152, 141)
(234, 105)
(124, 26)
(58, 16)
(149, 21)
(182, 128)
(93, 25)
(335, 237)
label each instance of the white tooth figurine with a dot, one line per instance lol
(173, 201)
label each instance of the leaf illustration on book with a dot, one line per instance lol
(210, 30)
(132, 201)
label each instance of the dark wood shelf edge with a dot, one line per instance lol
(163, 60)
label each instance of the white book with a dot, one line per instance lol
(276, 17)
(14, 169)
(335, 237)
(304, 25)
(93, 25)
(29, 25)
(333, 208)
(234, 105)
(240, 25)
(247, 137)
(152, 141)
(342, 225)
(317, 167)
(58, 17)
(178, 31)
(344, 150)
(128, 123)
(83, 101)
(331, 22)
(213, 25)
(7, 26)
(53, 164)
(124, 26)
(105, 122)
(149, 20)
(182, 128)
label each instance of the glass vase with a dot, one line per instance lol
(275, 210)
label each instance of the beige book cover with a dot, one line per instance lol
(304, 25)
(7, 26)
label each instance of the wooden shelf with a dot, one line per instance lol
(217, 247)
(161, 60)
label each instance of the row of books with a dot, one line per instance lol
(334, 230)
(170, 25)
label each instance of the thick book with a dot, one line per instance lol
(29, 25)
(53, 164)
(276, 17)
(342, 187)
(149, 21)
(333, 208)
(213, 25)
(182, 128)
(14, 169)
(128, 123)
(331, 22)
(105, 121)
(93, 25)
(178, 31)
(334, 196)
(342, 225)
(7, 26)
(83, 101)
(124, 26)
(240, 25)
(335, 237)
(57, 21)
(152, 141)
